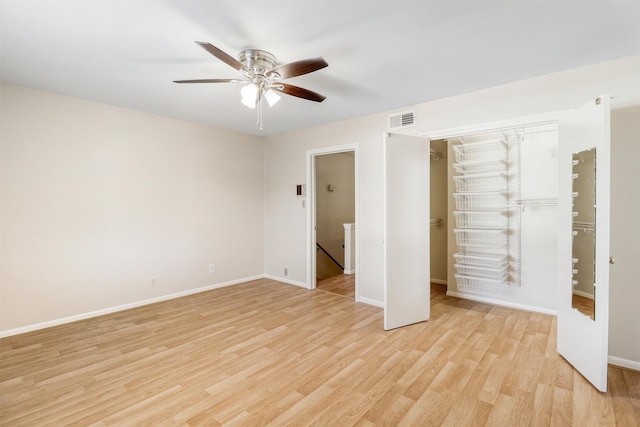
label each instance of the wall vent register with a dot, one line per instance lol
(401, 120)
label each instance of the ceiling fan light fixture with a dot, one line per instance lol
(249, 95)
(271, 97)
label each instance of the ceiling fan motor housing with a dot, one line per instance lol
(258, 61)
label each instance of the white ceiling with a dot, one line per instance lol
(382, 55)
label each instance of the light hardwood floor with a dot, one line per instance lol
(264, 352)
(342, 284)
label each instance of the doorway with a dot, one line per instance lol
(332, 218)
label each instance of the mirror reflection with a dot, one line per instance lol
(584, 233)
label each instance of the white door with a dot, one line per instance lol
(582, 340)
(406, 231)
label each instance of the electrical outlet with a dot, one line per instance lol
(212, 268)
(153, 282)
(286, 271)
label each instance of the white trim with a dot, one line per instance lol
(311, 210)
(352, 271)
(331, 150)
(501, 303)
(84, 316)
(624, 363)
(373, 302)
(385, 137)
(287, 281)
(439, 281)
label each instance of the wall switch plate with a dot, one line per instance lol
(212, 268)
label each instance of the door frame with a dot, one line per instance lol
(311, 210)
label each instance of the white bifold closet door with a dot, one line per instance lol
(406, 231)
(581, 340)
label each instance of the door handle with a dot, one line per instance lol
(612, 260)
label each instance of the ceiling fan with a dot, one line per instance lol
(263, 77)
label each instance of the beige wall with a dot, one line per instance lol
(98, 200)
(285, 217)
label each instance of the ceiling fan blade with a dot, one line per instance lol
(298, 91)
(209, 81)
(223, 56)
(299, 68)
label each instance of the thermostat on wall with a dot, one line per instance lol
(300, 190)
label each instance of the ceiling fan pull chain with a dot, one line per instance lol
(259, 107)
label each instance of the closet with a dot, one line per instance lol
(513, 217)
(502, 223)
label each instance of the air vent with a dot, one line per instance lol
(401, 120)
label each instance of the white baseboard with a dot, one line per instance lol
(122, 307)
(624, 363)
(287, 281)
(439, 281)
(373, 302)
(501, 303)
(583, 294)
(352, 271)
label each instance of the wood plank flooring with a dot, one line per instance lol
(267, 353)
(342, 284)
